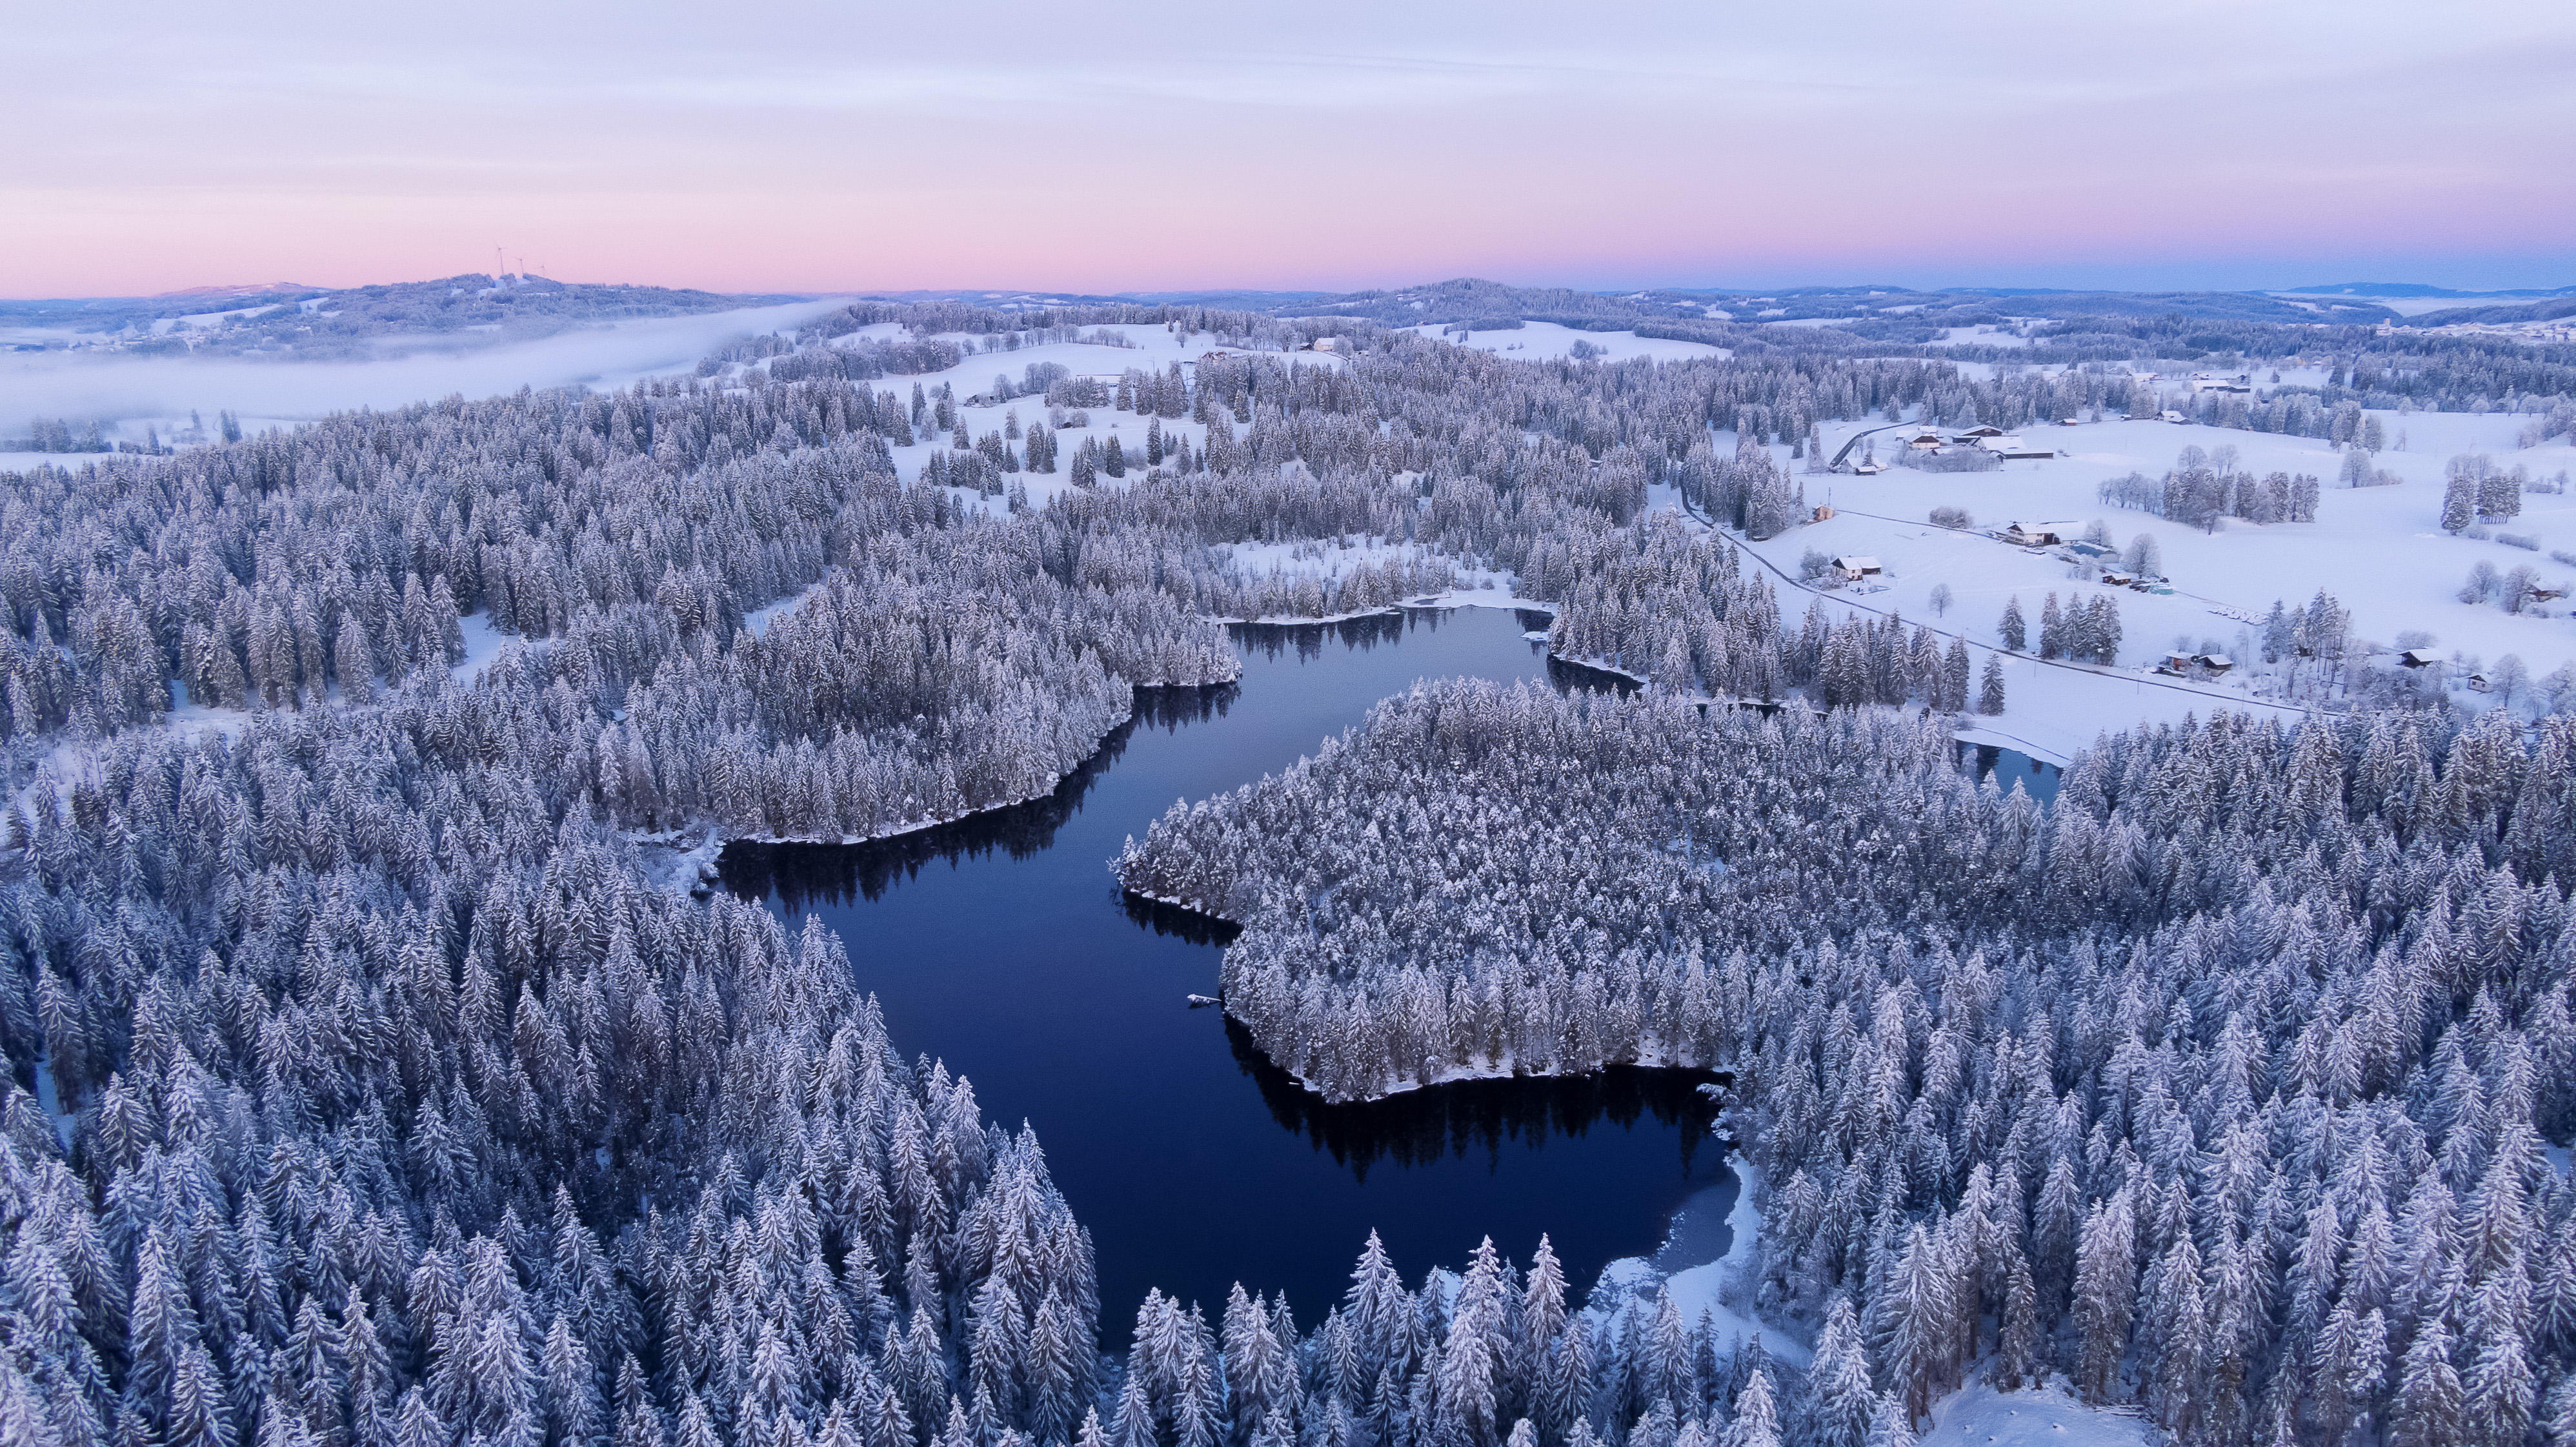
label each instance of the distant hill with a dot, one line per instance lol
(2532, 311)
(2411, 289)
(297, 322)
(1470, 300)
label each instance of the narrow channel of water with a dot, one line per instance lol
(1002, 946)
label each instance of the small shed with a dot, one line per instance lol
(1824, 513)
(1853, 566)
(2418, 658)
(2175, 417)
(2481, 683)
(2215, 662)
(1869, 467)
(2118, 580)
(1979, 434)
(2018, 453)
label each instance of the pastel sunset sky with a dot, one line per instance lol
(1147, 144)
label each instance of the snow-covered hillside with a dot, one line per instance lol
(1549, 342)
(1154, 349)
(134, 393)
(2380, 551)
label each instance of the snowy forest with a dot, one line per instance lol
(368, 1088)
(287, 323)
(2223, 1086)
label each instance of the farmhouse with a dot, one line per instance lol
(2419, 658)
(2027, 536)
(1926, 442)
(2013, 449)
(1853, 567)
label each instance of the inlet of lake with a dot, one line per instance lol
(1002, 947)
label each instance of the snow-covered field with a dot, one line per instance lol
(2404, 306)
(2380, 551)
(159, 392)
(1156, 349)
(2045, 1416)
(1548, 342)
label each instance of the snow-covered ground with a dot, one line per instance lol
(1718, 1285)
(483, 643)
(2379, 551)
(1337, 557)
(1548, 342)
(1156, 349)
(139, 392)
(2044, 1416)
(2404, 306)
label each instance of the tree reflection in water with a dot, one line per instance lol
(1462, 1117)
(801, 877)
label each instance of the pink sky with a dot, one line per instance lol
(808, 145)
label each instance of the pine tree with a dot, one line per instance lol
(1841, 1401)
(2105, 1295)
(1990, 694)
(2459, 502)
(1921, 1318)
(1757, 1420)
(2013, 631)
(2429, 1405)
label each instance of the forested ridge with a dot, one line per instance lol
(363, 1091)
(2222, 1086)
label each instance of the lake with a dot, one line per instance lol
(1002, 946)
(2012, 767)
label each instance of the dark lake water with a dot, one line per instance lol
(2010, 767)
(1002, 946)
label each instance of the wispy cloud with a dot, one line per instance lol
(1157, 142)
